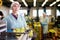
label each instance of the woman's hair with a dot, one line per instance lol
(1, 14)
(15, 2)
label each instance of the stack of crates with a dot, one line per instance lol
(50, 25)
(38, 30)
(58, 33)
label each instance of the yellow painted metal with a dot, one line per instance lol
(0, 3)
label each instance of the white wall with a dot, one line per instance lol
(5, 10)
(31, 10)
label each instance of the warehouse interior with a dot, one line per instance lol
(33, 12)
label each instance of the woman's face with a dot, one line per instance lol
(44, 15)
(15, 7)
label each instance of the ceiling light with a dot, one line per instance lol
(34, 3)
(11, 0)
(57, 0)
(44, 2)
(25, 3)
(58, 4)
(53, 3)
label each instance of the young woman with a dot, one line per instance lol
(16, 21)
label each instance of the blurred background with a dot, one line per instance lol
(33, 10)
